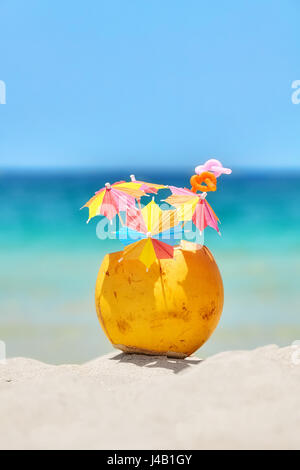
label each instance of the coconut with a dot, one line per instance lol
(171, 309)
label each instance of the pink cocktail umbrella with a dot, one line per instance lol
(193, 206)
(112, 199)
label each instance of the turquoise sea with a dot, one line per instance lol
(50, 258)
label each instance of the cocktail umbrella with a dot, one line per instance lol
(193, 206)
(150, 219)
(148, 250)
(157, 220)
(144, 186)
(156, 223)
(112, 199)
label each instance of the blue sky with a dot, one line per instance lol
(149, 82)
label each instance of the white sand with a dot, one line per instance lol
(234, 400)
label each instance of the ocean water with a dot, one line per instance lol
(50, 258)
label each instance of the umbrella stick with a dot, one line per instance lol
(121, 220)
(139, 204)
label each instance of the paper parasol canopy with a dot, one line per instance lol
(150, 219)
(152, 224)
(148, 250)
(112, 199)
(192, 206)
(144, 186)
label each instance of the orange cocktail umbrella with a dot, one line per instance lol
(112, 199)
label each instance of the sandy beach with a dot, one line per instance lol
(233, 400)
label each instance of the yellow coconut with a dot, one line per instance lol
(170, 310)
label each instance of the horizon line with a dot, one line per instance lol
(139, 169)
